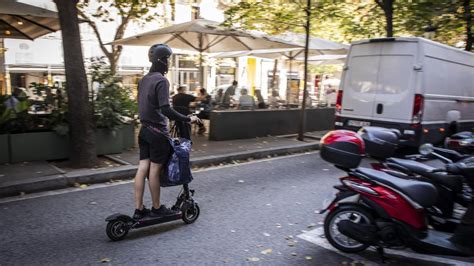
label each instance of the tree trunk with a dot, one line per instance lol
(468, 19)
(81, 130)
(389, 17)
(302, 127)
(274, 77)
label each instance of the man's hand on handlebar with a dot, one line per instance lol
(195, 119)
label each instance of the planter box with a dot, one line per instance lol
(38, 146)
(4, 149)
(128, 131)
(108, 141)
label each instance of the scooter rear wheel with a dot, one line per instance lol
(117, 230)
(190, 212)
(355, 214)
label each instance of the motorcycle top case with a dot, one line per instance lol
(343, 148)
(380, 143)
(178, 169)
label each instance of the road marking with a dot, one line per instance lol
(316, 236)
(122, 182)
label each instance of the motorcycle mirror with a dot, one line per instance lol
(426, 149)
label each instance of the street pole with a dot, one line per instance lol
(305, 90)
(201, 66)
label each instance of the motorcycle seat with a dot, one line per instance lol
(452, 182)
(423, 193)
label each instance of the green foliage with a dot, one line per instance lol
(349, 20)
(114, 105)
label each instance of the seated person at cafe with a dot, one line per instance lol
(246, 102)
(181, 103)
(227, 98)
(204, 106)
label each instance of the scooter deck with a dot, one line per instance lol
(146, 221)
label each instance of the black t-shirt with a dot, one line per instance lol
(181, 103)
(153, 93)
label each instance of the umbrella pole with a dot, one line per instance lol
(201, 66)
(288, 87)
(3, 76)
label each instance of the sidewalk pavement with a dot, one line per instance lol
(28, 177)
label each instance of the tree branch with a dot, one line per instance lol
(96, 31)
(380, 4)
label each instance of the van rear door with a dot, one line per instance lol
(396, 82)
(360, 81)
(379, 83)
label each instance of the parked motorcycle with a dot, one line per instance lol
(372, 208)
(462, 142)
(454, 193)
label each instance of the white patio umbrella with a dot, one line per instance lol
(205, 36)
(320, 60)
(317, 47)
(22, 21)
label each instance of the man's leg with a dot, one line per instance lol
(154, 178)
(142, 173)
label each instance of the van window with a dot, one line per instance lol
(395, 73)
(363, 72)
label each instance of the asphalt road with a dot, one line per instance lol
(251, 213)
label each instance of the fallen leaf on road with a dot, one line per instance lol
(105, 260)
(291, 243)
(83, 186)
(39, 172)
(278, 225)
(246, 250)
(241, 181)
(288, 237)
(325, 169)
(298, 203)
(267, 251)
(77, 185)
(266, 234)
(259, 246)
(22, 194)
(232, 231)
(308, 258)
(204, 145)
(93, 203)
(293, 254)
(311, 225)
(253, 259)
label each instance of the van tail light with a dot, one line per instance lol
(339, 102)
(417, 109)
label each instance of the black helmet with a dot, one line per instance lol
(159, 53)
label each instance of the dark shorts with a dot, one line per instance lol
(153, 146)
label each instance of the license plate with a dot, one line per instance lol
(356, 123)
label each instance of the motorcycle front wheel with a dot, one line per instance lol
(344, 243)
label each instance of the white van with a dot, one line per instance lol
(423, 88)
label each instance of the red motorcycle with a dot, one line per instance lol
(374, 208)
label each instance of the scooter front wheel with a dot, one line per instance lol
(190, 212)
(117, 230)
(344, 243)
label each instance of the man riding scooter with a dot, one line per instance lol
(154, 109)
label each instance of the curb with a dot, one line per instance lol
(88, 176)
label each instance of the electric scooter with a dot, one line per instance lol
(374, 209)
(187, 209)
